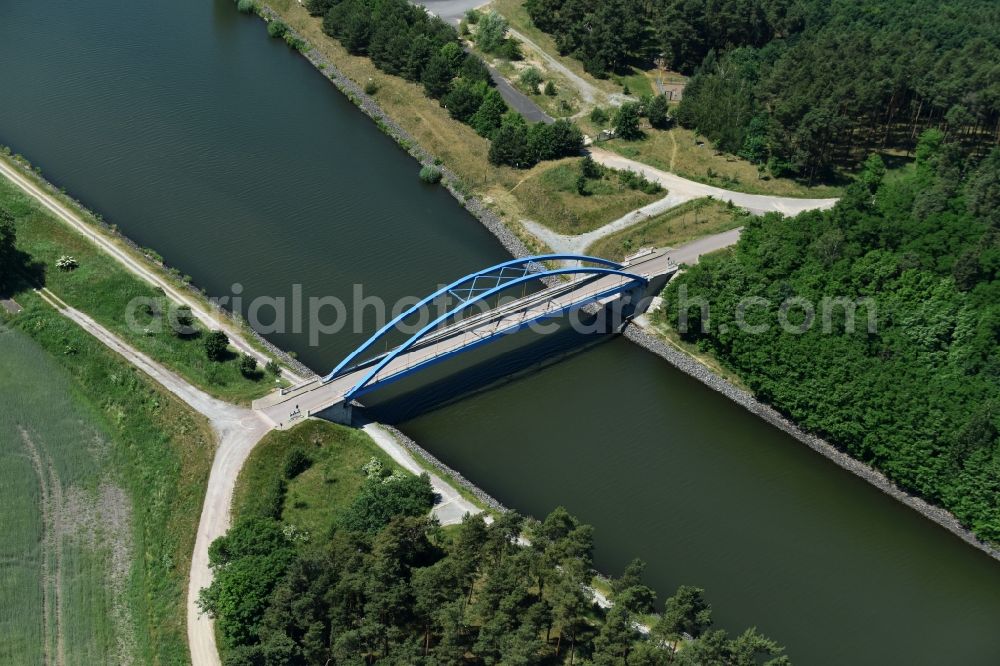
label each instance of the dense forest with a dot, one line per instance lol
(391, 586)
(918, 397)
(404, 40)
(803, 86)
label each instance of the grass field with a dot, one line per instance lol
(102, 288)
(101, 477)
(315, 498)
(549, 196)
(701, 217)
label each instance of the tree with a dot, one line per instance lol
(530, 78)
(491, 32)
(626, 122)
(510, 142)
(657, 112)
(550, 88)
(216, 345)
(464, 99)
(381, 500)
(686, 612)
(437, 76)
(552, 141)
(247, 564)
(474, 69)
(248, 365)
(9, 256)
(487, 119)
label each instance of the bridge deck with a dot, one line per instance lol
(471, 331)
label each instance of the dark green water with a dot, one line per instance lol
(185, 125)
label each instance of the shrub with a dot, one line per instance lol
(273, 368)
(472, 16)
(430, 175)
(371, 87)
(277, 28)
(216, 343)
(590, 169)
(246, 6)
(550, 89)
(67, 263)
(530, 78)
(248, 365)
(598, 116)
(581, 185)
(296, 462)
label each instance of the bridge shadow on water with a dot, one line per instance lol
(484, 368)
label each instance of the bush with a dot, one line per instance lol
(430, 175)
(216, 343)
(277, 28)
(246, 6)
(371, 87)
(530, 78)
(67, 263)
(248, 365)
(550, 89)
(590, 169)
(472, 16)
(598, 116)
(296, 462)
(273, 368)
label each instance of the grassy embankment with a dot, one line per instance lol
(550, 197)
(103, 475)
(315, 498)
(103, 289)
(694, 219)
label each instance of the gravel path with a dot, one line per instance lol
(682, 187)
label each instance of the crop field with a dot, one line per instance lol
(102, 476)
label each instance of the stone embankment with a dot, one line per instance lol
(690, 366)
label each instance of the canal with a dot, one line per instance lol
(198, 136)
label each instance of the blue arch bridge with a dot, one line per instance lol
(478, 313)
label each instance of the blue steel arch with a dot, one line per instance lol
(497, 273)
(633, 279)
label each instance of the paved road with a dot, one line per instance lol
(682, 187)
(451, 11)
(518, 101)
(208, 317)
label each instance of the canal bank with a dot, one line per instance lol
(665, 469)
(645, 338)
